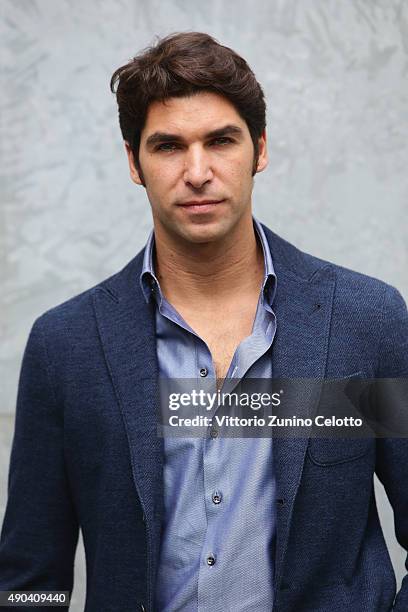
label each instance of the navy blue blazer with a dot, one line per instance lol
(86, 453)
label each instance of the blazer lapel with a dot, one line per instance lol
(127, 331)
(303, 311)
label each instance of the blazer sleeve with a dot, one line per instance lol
(40, 529)
(392, 453)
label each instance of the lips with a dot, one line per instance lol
(200, 207)
(198, 203)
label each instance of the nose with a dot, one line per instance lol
(197, 167)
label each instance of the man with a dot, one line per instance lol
(203, 523)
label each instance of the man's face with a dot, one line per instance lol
(193, 150)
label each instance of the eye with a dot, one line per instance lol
(166, 146)
(222, 140)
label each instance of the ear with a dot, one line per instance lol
(134, 172)
(263, 153)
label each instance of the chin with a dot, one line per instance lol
(201, 234)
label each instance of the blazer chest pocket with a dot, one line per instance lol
(333, 451)
(328, 450)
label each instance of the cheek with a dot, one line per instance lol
(164, 174)
(159, 180)
(242, 163)
(239, 173)
(162, 188)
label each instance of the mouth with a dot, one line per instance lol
(201, 206)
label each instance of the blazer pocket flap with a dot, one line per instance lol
(332, 451)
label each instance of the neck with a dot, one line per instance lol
(211, 270)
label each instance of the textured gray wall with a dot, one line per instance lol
(335, 76)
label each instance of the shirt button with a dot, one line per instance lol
(203, 372)
(216, 497)
(214, 433)
(210, 560)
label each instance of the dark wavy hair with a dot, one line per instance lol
(182, 64)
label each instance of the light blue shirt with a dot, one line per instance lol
(217, 548)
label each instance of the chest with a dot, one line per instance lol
(222, 331)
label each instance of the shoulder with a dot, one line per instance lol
(75, 317)
(350, 286)
(366, 310)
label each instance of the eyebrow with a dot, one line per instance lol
(158, 137)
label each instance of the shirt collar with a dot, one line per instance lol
(269, 281)
(149, 282)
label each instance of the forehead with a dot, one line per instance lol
(200, 112)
